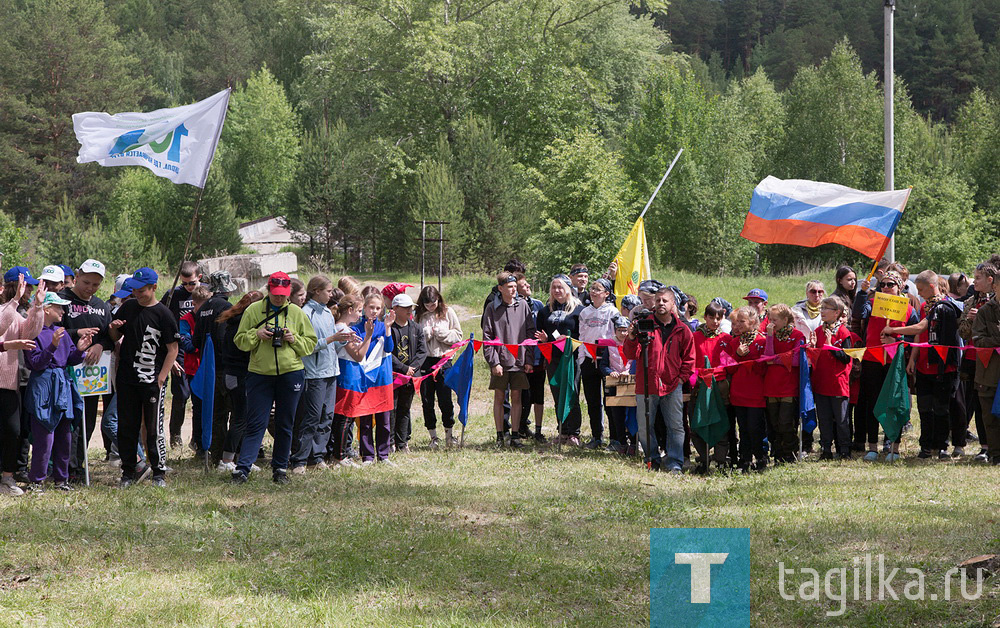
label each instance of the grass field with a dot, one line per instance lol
(478, 537)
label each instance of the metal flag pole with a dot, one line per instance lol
(657, 190)
(889, 80)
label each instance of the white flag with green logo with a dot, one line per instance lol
(177, 143)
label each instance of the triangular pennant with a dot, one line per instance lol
(786, 359)
(707, 378)
(890, 350)
(942, 353)
(878, 353)
(856, 354)
(812, 354)
(560, 344)
(621, 352)
(546, 349)
(515, 350)
(984, 355)
(576, 343)
(477, 345)
(592, 350)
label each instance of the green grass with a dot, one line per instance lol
(476, 537)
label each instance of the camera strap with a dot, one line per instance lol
(272, 314)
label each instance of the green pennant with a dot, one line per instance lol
(564, 379)
(710, 420)
(893, 406)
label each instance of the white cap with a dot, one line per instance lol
(402, 300)
(52, 273)
(92, 266)
(120, 281)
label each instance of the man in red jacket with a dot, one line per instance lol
(671, 362)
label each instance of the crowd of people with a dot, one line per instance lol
(331, 370)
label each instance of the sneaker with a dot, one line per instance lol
(126, 482)
(176, 441)
(115, 461)
(845, 455)
(451, 442)
(254, 468)
(388, 463)
(982, 456)
(594, 443)
(9, 488)
(614, 447)
(892, 457)
(871, 456)
(924, 454)
(238, 477)
(226, 467)
(573, 440)
(435, 445)
(159, 482)
(515, 442)
(943, 455)
(885, 446)
(957, 452)
(321, 466)
(405, 449)
(22, 476)
(142, 471)
(298, 471)
(826, 455)
(539, 438)
(280, 476)
(499, 443)
(995, 461)
(367, 463)
(970, 437)
(347, 463)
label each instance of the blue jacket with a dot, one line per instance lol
(322, 362)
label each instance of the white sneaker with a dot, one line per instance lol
(347, 463)
(388, 463)
(9, 487)
(957, 452)
(298, 471)
(226, 467)
(254, 468)
(367, 463)
(452, 441)
(320, 466)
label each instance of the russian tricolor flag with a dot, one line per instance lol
(810, 213)
(365, 388)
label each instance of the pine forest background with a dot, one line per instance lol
(537, 128)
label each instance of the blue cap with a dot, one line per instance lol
(756, 293)
(121, 294)
(141, 278)
(67, 270)
(12, 274)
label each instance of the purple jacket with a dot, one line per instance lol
(45, 356)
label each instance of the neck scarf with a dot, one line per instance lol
(812, 310)
(785, 333)
(748, 336)
(707, 333)
(831, 328)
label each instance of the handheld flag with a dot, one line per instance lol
(459, 379)
(807, 403)
(893, 406)
(710, 420)
(177, 143)
(810, 213)
(632, 261)
(203, 387)
(564, 379)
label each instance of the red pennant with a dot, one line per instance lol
(878, 353)
(890, 350)
(477, 345)
(621, 352)
(591, 349)
(984, 355)
(546, 349)
(786, 359)
(812, 354)
(515, 350)
(942, 352)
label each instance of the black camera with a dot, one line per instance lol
(644, 324)
(277, 337)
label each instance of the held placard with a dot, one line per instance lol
(93, 379)
(890, 306)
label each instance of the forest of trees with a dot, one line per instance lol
(538, 129)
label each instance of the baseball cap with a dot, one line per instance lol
(51, 298)
(279, 284)
(402, 300)
(52, 273)
(67, 271)
(120, 291)
(756, 293)
(92, 266)
(141, 278)
(13, 273)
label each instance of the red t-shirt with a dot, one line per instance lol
(923, 363)
(830, 376)
(711, 348)
(875, 326)
(746, 389)
(780, 380)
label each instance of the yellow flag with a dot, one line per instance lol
(633, 262)
(856, 354)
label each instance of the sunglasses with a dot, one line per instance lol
(817, 292)
(189, 283)
(889, 284)
(281, 283)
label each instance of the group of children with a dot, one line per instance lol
(327, 359)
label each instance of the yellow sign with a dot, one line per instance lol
(890, 306)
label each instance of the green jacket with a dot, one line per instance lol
(268, 360)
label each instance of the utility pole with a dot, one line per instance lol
(888, 80)
(423, 248)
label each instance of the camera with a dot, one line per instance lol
(644, 324)
(277, 337)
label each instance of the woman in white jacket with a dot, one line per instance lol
(597, 322)
(441, 329)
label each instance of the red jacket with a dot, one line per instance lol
(747, 387)
(780, 380)
(671, 359)
(830, 376)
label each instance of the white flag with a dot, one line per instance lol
(177, 143)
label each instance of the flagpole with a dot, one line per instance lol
(657, 190)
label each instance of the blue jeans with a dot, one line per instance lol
(314, 425)
(264, 391)
(672, 409)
